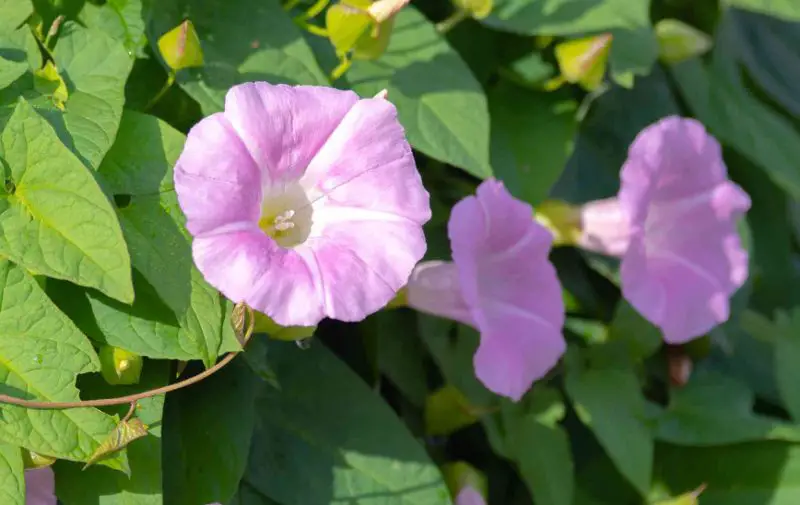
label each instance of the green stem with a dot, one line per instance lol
(315, 9)
(343, 67)
(291, 4)
(161, 92)
(450, 23)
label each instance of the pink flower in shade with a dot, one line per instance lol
(502, 284)
(304, 202)
(40, 487)
(674, 225)
(469, 496)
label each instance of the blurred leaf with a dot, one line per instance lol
(69, 233)
(678, 41)
(247, 40)
(690, 498)
(540, 140)
(783, 9)
(325, 438)
(610, 403)
(448, 410)
(401, 355)
(541, 447)
(714, 409)
(759, 473)
(639, 335)
(439, 102)
(208, 432)
(121, 19)
(97, 485)
(15, 12)
(12, 473)
(786, 337)
(180, 47)
(478, 9)
(42, 353)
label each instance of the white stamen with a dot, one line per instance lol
(282, 220)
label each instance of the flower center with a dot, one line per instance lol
(286, 215)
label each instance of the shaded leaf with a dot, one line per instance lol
(784, 9)
(448, 410)
(12, 473)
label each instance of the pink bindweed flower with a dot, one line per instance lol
(501, 283)
(673, 222)
(40, 487)
(469, 496)
(304, 202)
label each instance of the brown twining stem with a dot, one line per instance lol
(244, 335)
(130, 412)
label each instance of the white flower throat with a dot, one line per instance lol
(286, 215)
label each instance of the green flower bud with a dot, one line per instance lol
(120, 367)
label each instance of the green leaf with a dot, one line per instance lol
(98, 486)
(248, 40)
(97, 66)
(121, 19)
(15, 12)
(209, 428)
(541, 139)
(633, 51)
(714, 409)
(639, 335)
(41, 353)
(13, 55)
(787, 356)
(760, 473)
(788, 10)
(56, 220)
(326, 438)
(401, 355)
(439, 102)
(12, 473)
(609, 401)
(540, 447)
(447, 410)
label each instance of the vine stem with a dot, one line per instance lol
(132, 399)
(449, 23)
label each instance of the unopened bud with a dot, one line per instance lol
(32, 459)
(678, 41)
(460, 475)
(382, 10)
(561, 219)
(120, 367)
(180, 47)
(583, 61)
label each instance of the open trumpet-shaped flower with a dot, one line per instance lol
(500, 282)
(673, 223)
(40, 487)
(304, 202)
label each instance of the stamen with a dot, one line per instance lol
(282, 221)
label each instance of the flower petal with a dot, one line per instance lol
(434, 288)
(215, 178)
(685, 259)
(40, 487)
(361, 264)
(469, 496)
(367, 164)
(510, 286)
(284, 126)
(248, 266)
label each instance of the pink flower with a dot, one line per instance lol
(674, 225)
(469, 496)
(501, 283)
(304, 202)
(40, 487)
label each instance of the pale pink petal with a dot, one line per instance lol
(367, 164)
(604, 227)
(215, 178)
(685, 259)
(469, 496)
(434, 288)
(284, 126)
(40, 487)
(249, 266)
(510, 286)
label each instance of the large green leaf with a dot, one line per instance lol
(784, 9)
(95, 67)
(759, 473)
(325, 438)
(99, 486)
(541, 139)
(633, 51)
(248, 40)
(714, 409)
(15, 12)
(400, 354)
(55, 220)
(12, 478)
(206, 448)
(610, 403)
(540, 447)
(122, 19)
(41, 353)
(439, 102)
